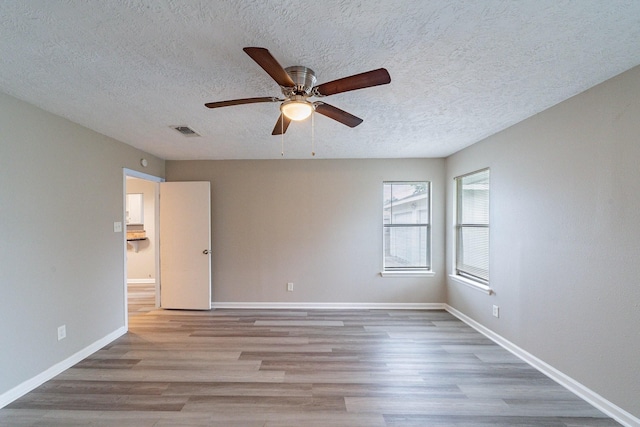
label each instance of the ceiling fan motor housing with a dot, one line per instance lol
(304, 79)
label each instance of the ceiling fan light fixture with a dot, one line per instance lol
(296, 109)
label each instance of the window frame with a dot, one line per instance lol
(411, 270)
(458, 274)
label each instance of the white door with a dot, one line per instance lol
(185, 245)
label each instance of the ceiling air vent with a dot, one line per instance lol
(186, 130)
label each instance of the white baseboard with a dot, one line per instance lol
(615, 412)
(58, 368)
(150, 281)
(328, 305)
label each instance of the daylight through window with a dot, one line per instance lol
(406, 226)
(472, 226)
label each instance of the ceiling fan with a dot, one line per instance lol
(298, 85)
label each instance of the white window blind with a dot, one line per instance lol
(406, 226)
(472, 243)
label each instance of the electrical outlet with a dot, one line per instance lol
(62, 332)
(496, 311)
(117, 227)
(290, 287)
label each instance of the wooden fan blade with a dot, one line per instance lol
(270, 65)
(281, 125)
(338, 114)
(358, 81)
(241, 101)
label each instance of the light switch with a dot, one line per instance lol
(117, 227)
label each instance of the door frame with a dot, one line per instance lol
(140, 175)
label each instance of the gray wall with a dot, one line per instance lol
(60, 261)
(317, 223)
(565, 237)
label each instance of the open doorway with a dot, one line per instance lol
(141, 249)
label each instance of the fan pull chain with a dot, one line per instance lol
(282, 133)
(313, 133)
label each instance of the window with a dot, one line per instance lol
(472, 227)
(406, 226)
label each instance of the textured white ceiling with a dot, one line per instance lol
(460, 70)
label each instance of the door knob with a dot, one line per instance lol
(206, 252)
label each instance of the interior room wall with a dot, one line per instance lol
(61, 261)
(316, 223)
(141, 265)
(565, 230)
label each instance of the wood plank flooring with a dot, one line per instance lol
(277, 368)
(141, 298)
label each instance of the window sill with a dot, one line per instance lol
(407, 273)
(470, 283)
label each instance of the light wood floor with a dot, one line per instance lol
(301, 368)
(141, 298)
